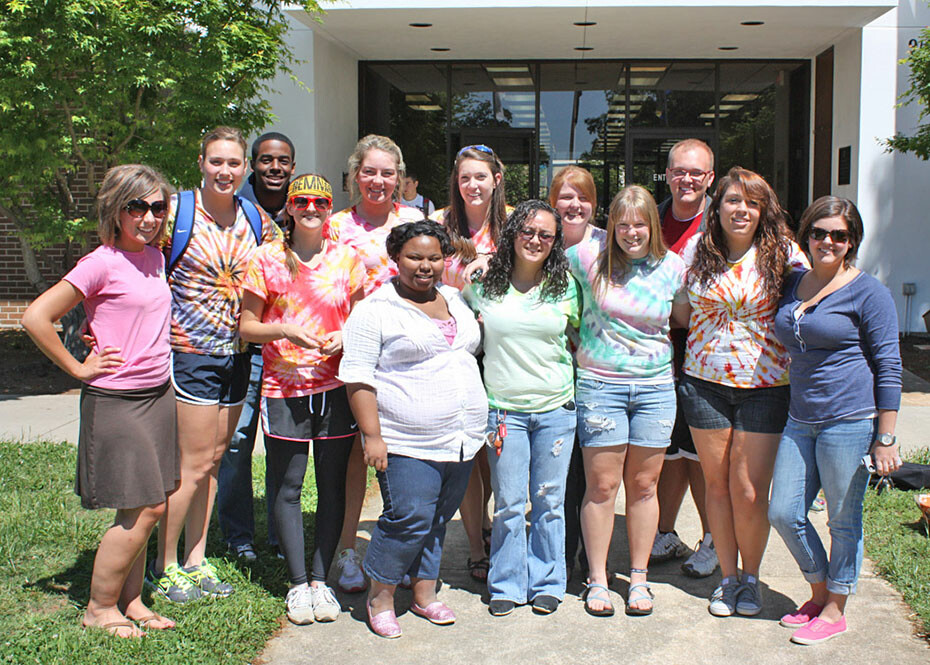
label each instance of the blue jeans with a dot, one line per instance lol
(828, 456)
(234, 504)
(420, 497)
(535, 455)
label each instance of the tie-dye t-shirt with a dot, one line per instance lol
(527, 363)
(454, 272)
(319, 300)
(348, 228)
(731, 334)
(624, 325)
(206, 283)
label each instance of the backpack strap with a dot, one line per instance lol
(183, 227)
(425, 207)
(253, 215)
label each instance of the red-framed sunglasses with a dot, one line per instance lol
(321, 203)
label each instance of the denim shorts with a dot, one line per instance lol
(204, 379)
(710, 405)
(614, 414)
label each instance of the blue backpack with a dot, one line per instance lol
(184, 225)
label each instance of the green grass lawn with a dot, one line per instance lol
(47, 547)
(899, 545)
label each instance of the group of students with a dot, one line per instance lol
(371, 322)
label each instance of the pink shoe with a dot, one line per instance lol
(436, 612)
(802, 616)
(383, 624)
(818, 631)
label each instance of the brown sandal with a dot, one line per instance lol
(479, 569)
(146, 621)
(113, 627)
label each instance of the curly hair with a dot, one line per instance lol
(555, 268)
(402, 233)
(456, 221)
(772, 238)
(631, 201)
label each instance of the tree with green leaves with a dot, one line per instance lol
(918, 59)
(88, 84)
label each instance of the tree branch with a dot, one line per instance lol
(75, 147)
(132, 132)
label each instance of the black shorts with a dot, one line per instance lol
(682, 444)
(324, 415)
(204, 379)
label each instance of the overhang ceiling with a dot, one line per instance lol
(477, 30)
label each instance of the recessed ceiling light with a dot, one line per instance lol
(512, 81)
(439, 49)
(752, 23)
(736, 97)
(426, 107)
(585, 24)
(581, 83)
(417, 98)
(727, 48)
(584, 48)
(420, 25)
(498, 70)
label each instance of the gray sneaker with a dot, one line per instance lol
(667, 546)
(723, 599)
(749, 600)
(704, 560)
(205, 578)
(171, 584)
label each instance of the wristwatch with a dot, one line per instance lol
(885, 439)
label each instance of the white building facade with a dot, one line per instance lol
(802, 91)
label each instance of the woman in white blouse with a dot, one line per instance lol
(409, 368)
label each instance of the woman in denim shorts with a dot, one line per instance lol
(735, 385)
(625, 392)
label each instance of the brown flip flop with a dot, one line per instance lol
(114, 626)
(146, 621)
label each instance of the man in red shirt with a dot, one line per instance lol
(689, 174)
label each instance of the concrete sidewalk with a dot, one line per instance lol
(680, 631)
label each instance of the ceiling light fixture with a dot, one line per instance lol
(585, 24)
(584, 48)
(727, 48)
(420, 25)
(752, 22)
(440, 49)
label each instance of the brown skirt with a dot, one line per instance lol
(128, 447)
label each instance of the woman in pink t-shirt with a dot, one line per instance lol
(127, 448)
(298, 294)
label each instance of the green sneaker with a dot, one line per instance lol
(205, 578)
(171, 584)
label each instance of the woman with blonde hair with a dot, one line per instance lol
(127, 448)
(625, 393)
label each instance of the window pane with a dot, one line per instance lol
(679, 94)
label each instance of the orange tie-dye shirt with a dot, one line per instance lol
(731, 334)
(348, 228)
(319, 300)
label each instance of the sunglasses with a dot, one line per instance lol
(138, 208)
(836, 235)
(321, 203)
(544, 236)
(479, 147)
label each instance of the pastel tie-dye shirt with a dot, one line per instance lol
(625, 324)
(454, 272)
(206, 283)
(347, 227)
(731, 334)
(319, 300)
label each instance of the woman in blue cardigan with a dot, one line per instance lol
(841, 329)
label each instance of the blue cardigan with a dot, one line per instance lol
(850, 366)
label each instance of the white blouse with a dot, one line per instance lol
(431, 401)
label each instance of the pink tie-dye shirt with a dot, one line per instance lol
(348, 228)
(454, 272)
(319, 300)
(731, 334)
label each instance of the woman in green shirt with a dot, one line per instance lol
(525, 303)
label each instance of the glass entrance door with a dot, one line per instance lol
(647, 155)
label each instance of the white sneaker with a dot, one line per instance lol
(704, 560)
(723, 599)
(667, 546)
(300, 605)
(325, 605)
(351, 577)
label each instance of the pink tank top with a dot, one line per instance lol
(448, 328)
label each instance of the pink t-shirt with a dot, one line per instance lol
(318, 300)
(128, 305)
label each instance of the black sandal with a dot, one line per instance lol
(479, 569)
(486, 537)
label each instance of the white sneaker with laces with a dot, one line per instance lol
(351, 577)
(300, 605)
(667, 546)
(704, 560)
(325, 605)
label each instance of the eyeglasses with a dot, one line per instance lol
(138, 208)
(697, 176)
(544, 236)
(836, 235)
(479, 147)
(303, 202)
